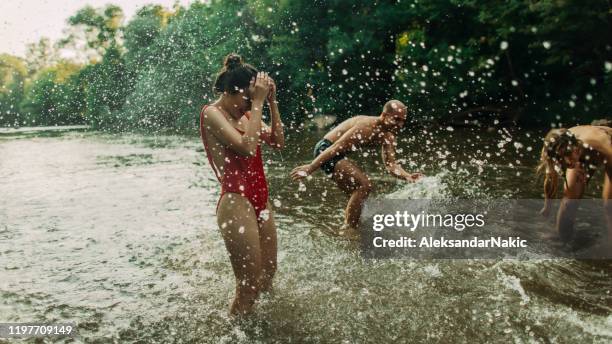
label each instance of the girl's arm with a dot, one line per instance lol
(550, 190)
(573, 190)
(274, 136)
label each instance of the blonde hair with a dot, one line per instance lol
(558, 144)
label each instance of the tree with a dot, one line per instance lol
(461, 59)
(455, 61)
(106, 86)
(40, 55)
(141, 33)
(13, 73)
(48, 96)
(94, 29)
(177, 78)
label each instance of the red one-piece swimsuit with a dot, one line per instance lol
(242, 174)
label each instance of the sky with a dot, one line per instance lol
(26, 21)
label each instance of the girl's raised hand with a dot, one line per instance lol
(261, 86)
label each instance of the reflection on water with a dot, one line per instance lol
(117, 233)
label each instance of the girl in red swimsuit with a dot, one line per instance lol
(232, 130)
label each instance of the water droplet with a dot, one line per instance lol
(302, 187)
(264, 215)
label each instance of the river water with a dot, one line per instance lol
(117, 233)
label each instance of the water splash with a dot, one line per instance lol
(514, 283)
(429, 187)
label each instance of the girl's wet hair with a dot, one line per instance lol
(559, 144)
(234, 76)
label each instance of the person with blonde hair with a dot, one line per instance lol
(575, 154)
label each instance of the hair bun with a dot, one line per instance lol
(232, 61)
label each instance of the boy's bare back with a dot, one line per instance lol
(362, 130)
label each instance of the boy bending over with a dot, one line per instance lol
(352, 134)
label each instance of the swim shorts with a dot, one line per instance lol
(329, 165)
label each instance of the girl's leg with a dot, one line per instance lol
(267, 242)
(238, 224)
(572, 191)
(352, 180)
(607, 201)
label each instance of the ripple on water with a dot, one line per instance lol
(132, 253)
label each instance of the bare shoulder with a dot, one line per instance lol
(388, 135)
(211, 114)
(340, 129)
(351, 122)
(364, 123)
(607, 130)
(592, 132)
(364, 119)
(590, 128)
(598, 137)
(360, 118)
(361, 124)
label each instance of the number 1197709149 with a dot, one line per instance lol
(24, 330)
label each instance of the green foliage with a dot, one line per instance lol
(177, 76)
(40, 55)
(450, 60)
(13, 73)
(331, 56)
(52, 97)
(140, 34)
(529, 61)
(100, 25)
(107, 84)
